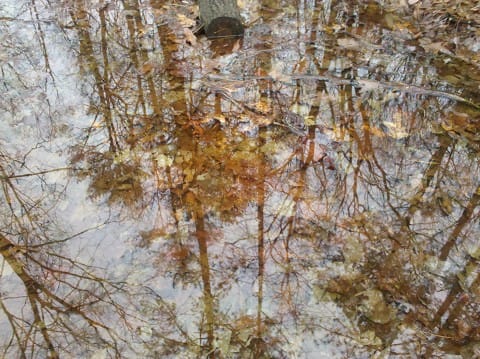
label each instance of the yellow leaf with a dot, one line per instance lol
(185, 21)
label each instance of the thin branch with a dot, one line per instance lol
(366, 84)
(37, 173)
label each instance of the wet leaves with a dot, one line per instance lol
(316, 181)
(374, 307)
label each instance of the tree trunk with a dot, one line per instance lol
(220, 18)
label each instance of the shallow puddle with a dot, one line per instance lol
(310, 190)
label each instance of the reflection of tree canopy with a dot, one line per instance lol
(354, 231)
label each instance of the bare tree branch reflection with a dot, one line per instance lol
(314, 187)
(61, 294)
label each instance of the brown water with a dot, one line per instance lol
(308, 191)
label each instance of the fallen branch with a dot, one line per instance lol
(406, 88)
(365, 84)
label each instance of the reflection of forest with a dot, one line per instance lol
(274, 208)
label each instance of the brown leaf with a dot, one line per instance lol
(189, 36)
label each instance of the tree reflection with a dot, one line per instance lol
(334, 190)
(290, 197)
(58, 302)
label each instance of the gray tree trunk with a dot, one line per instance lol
(220, 18)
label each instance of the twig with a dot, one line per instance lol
(36, 173)
(366, 84)
(406, 88)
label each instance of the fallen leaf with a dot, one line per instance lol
(375, 308)
(348, 43)
(185, 21)
(189, 36)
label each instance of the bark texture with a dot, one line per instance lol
(220, 18)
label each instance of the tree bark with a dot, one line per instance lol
(220, 18)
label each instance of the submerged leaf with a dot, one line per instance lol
(374, 307)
